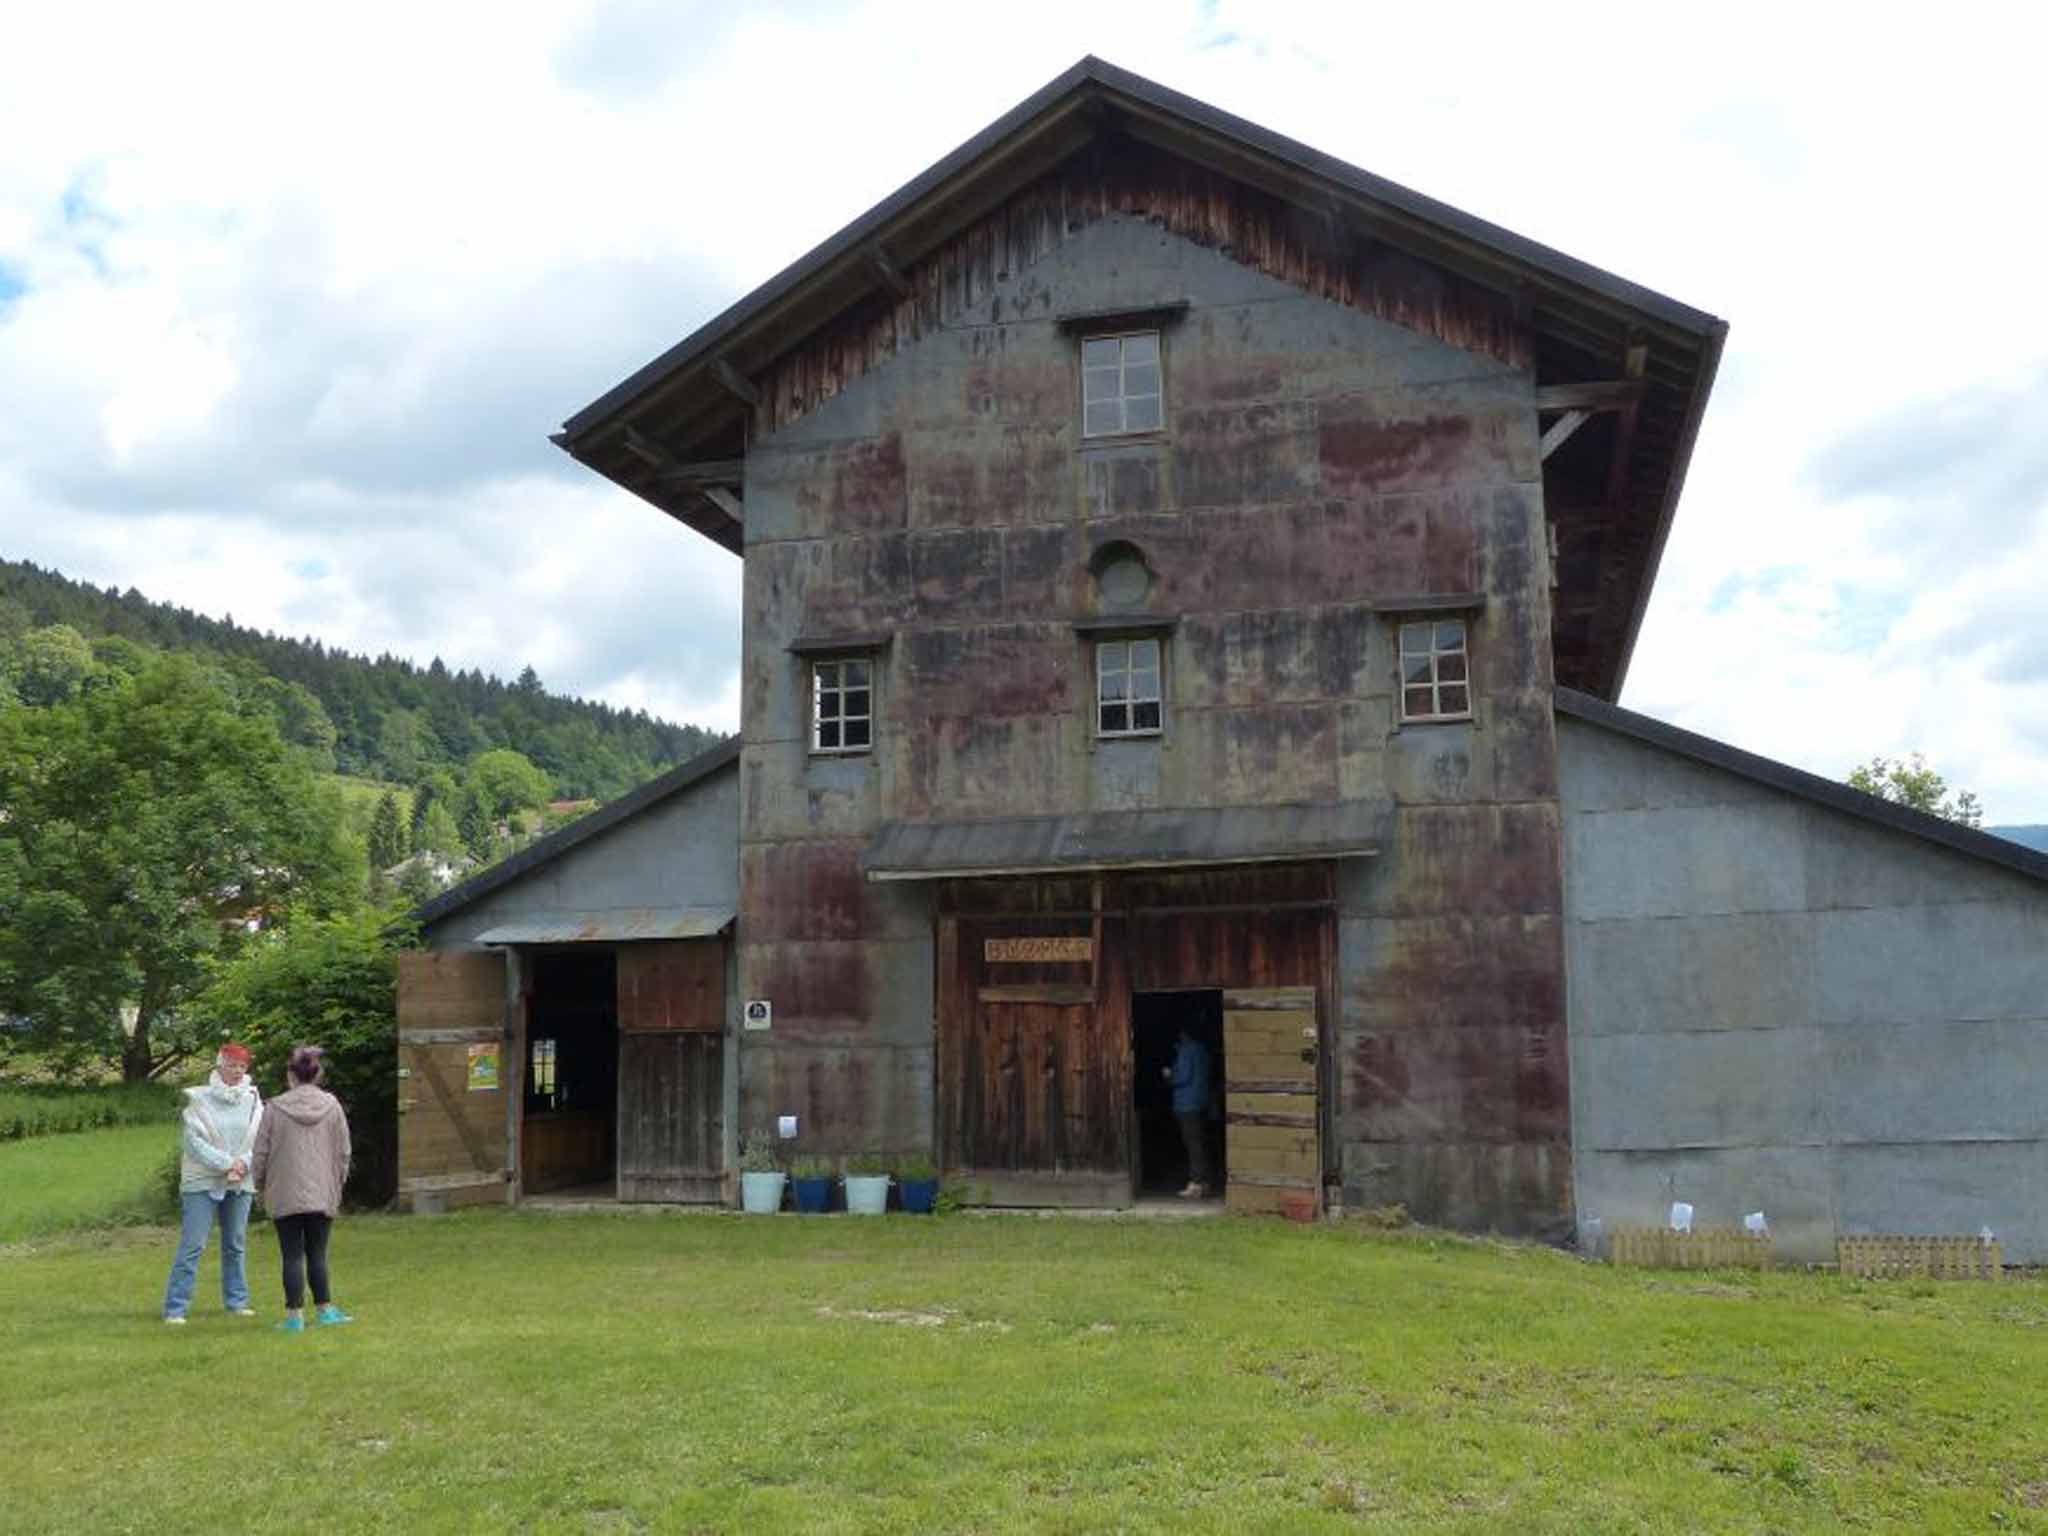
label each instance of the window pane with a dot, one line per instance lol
(1142, 349)
(1115, 717)
(1450, 635)
(1415, 637)
(1146, 716)
(856, 674)
(1112, 656)
(1115, 685)
(1142, 414)
(1142, 380)
(857, 703)
(828, 674)
(1451, 669)
(1104, 418)
(1099, 384)
(1416, 702)
(828, 733)
(1145, 653)
(1100, 352)
(856, 733)
(1456, 701)
(828, 706)
(1415, 669)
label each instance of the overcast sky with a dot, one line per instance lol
(291, 296)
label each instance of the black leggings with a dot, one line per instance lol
(302, 1239)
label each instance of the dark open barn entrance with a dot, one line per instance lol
(1156, 1021)
(568, 1137)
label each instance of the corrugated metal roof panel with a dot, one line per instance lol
(615, 927)
(1127, 840)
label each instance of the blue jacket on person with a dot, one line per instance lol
(1190, 1076)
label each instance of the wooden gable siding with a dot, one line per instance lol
(1195, 203)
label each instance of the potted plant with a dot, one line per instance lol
(810, 1178)
(867, 1184)
(760, 1177)
(917, 1184)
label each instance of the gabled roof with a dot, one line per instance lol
(1807, 786)
(547, 849)
(1585, 324)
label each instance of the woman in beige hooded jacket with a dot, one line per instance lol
(300, 1165)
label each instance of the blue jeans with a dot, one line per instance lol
(201, 1210)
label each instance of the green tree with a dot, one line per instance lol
(387, 833)
(51, 664)
(402, 744)
(145, 829)
(479, 833)
(437, 831)
(506, 781)
(330, 981)
(1911, 782)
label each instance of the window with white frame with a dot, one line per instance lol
(1435, 682)
(1127, 688)
(1120, 390)
(843, 705)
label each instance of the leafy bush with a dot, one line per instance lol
(867, 1165)
(760, 1154)
(330, 982)
(50, 1111)
(811, 1168)
(916, 1169)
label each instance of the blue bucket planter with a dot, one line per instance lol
(919, 1196)
(812, 1195)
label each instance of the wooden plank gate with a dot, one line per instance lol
(455, 1077)
(672, 1071)
(1273, 1158)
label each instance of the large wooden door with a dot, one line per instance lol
(1273, 1162)
(454, 1078)
(672, 1071)
(1034, 1058)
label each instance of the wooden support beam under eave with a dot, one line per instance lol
(1554, 436)
(891, 275)
(1605, 395)
(735, 382)
(725, 501)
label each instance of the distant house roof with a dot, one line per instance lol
(687, 404)
(547, 849)
(1808, 786)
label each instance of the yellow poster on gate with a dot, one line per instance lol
(483, 1068)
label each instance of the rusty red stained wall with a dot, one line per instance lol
(1196, 204)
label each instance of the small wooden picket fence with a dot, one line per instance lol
(1701, 1248)
(1891, 1256)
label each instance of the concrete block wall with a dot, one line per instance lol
(1775, 1005)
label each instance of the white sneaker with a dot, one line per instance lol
(175, 1322)
(241, 1311)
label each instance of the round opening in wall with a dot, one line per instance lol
(1122, 578)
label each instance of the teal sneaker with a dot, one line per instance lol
(331, 1315)
(292, 1325)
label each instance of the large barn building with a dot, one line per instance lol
(1186, 583)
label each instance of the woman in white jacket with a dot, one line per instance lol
(215, 1150)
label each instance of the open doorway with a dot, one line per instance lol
(1157, 1018)
(568, 1138)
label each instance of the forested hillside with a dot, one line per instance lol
(379, 719)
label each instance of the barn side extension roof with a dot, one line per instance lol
(1808, 786)
(674, 427)
(579, 832)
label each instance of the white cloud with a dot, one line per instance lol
(305, 289)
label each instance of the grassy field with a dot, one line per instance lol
(667, 1372)
(44, 1109)
(92, 1178)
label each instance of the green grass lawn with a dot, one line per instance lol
(86, 1178)
(668, 1372)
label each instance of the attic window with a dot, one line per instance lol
(842, 705)
(1120, 385)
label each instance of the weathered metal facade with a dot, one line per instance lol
(1322, 473)
(1787, 997)
(891, 434)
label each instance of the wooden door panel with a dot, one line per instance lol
(1273, 1157)
(453, 1140)
(671, 1116)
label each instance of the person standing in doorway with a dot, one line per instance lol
(301, 1163)
(1189, 1075)
(215, 1144)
